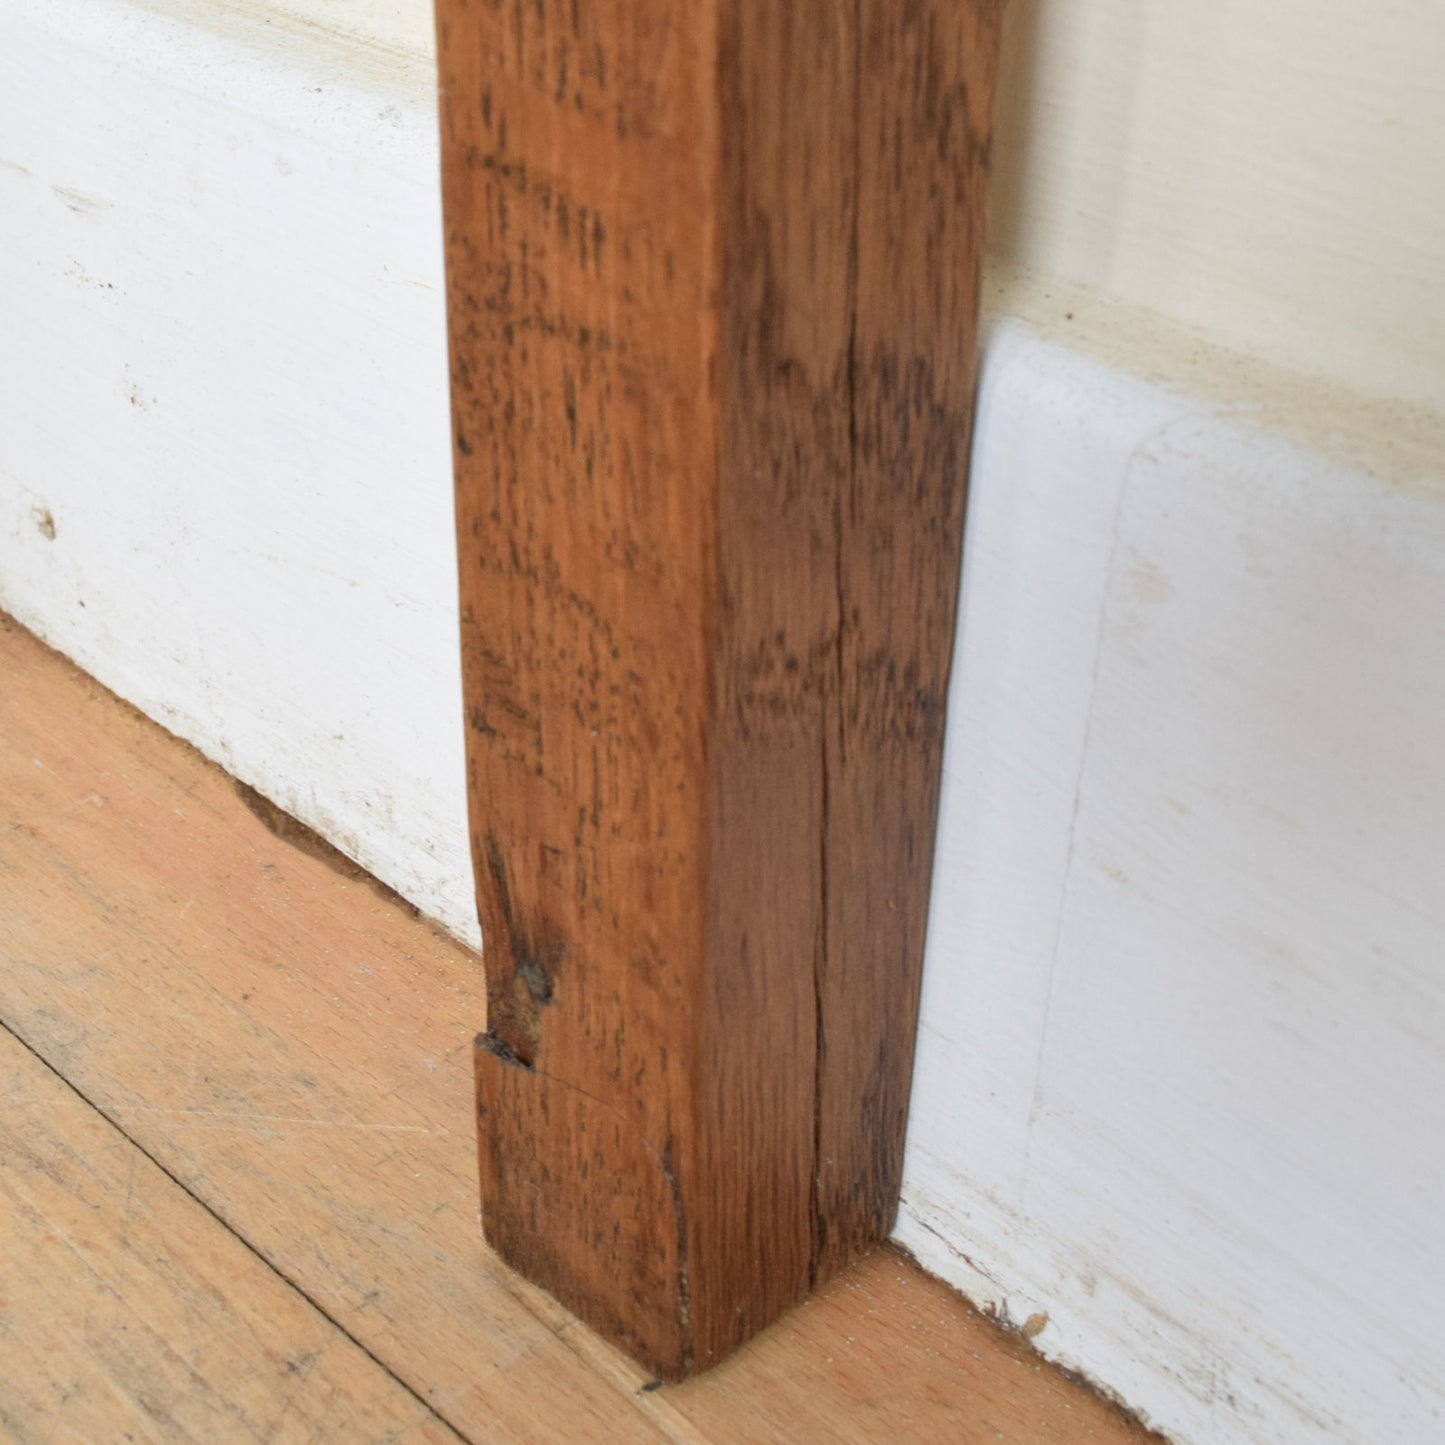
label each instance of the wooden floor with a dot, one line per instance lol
(237, 1175)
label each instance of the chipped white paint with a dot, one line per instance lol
(224, 461)
(1181, 1083)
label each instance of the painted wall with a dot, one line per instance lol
(1269, 174)
(1182, 1064)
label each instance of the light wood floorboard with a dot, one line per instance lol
(128, 1312)
(237, 1173)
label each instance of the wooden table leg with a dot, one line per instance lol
(713, 276)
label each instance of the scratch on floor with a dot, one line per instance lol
(245, 1119)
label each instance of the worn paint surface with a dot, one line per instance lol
(224, 458)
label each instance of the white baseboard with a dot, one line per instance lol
(1181, 1080)
(225, 385)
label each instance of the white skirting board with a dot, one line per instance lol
(1180, 1095)
(1181, 1079)
(223, 356)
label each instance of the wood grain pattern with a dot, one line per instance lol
(294, 1050)
(924, 126)
(289, 1045)
(128, 1312)
(712, 286)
